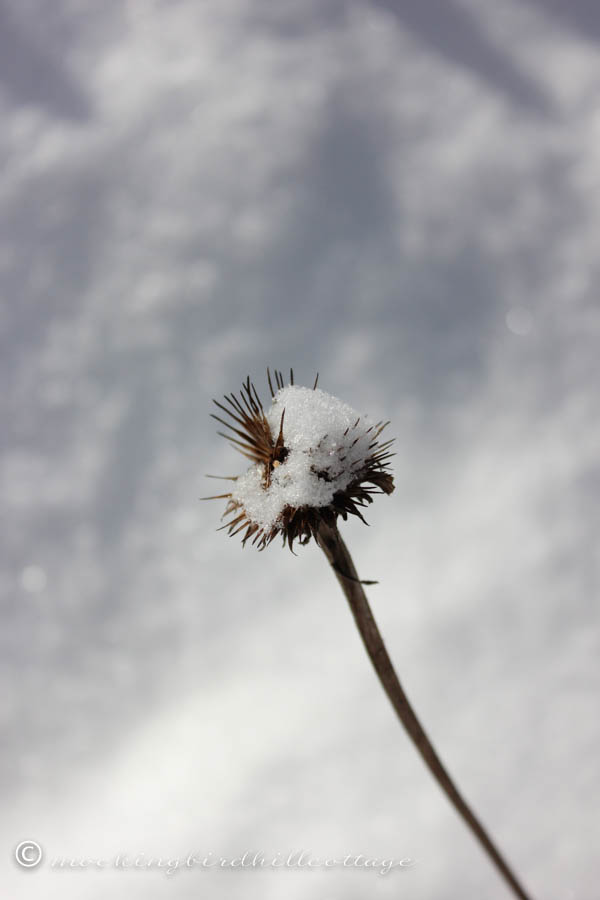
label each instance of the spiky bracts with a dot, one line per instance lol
(250, 432)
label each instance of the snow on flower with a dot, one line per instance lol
(314, 458)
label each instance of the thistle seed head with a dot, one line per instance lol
(313, 458)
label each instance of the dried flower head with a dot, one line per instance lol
(313, 459)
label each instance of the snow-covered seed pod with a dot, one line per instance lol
(314, 458)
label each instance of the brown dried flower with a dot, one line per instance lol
(313, 459)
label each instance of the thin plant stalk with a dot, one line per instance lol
(337, 553)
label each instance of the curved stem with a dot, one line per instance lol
(335, 550)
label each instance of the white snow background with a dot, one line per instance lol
(404, 197)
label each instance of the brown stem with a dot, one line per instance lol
(337, 553)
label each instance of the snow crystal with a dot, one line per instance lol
(327, 444)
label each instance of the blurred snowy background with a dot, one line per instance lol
(404, 197)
